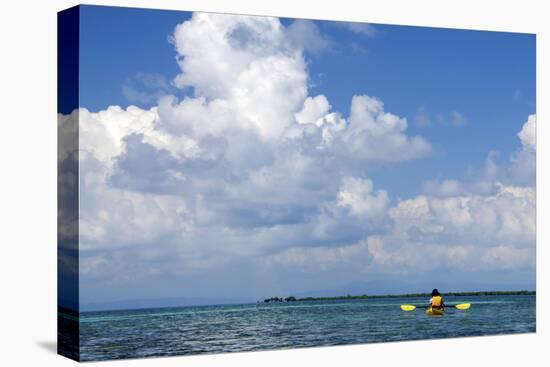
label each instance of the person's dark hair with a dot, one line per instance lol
(435, 292)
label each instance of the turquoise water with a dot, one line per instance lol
(248, 327)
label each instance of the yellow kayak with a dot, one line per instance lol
(437, 311)
(434, 311)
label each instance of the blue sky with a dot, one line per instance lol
(461, 94)
(488, 77)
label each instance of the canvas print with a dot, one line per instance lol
(233, 183)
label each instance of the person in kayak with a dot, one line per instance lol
(436, 301)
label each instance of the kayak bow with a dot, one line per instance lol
(435, 311)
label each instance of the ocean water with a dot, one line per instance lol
(247, 327)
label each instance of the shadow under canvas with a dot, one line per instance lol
(48, 345)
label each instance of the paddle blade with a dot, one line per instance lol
(407, 307)
(463, 306)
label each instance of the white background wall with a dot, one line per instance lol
(28, 182)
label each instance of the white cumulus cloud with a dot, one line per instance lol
(374, 134)
(527, 135)
(456, 225)
(357, 195)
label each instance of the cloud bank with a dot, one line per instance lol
(249, 175)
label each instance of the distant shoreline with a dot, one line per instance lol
(406, 295)
(75, 313)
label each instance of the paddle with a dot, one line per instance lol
(462, 306)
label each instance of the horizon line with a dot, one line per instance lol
(297, 299)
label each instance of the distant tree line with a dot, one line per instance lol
(280, 299)
(407, 295)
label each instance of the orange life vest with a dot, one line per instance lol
(436, 301)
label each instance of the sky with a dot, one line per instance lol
(228, 158)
